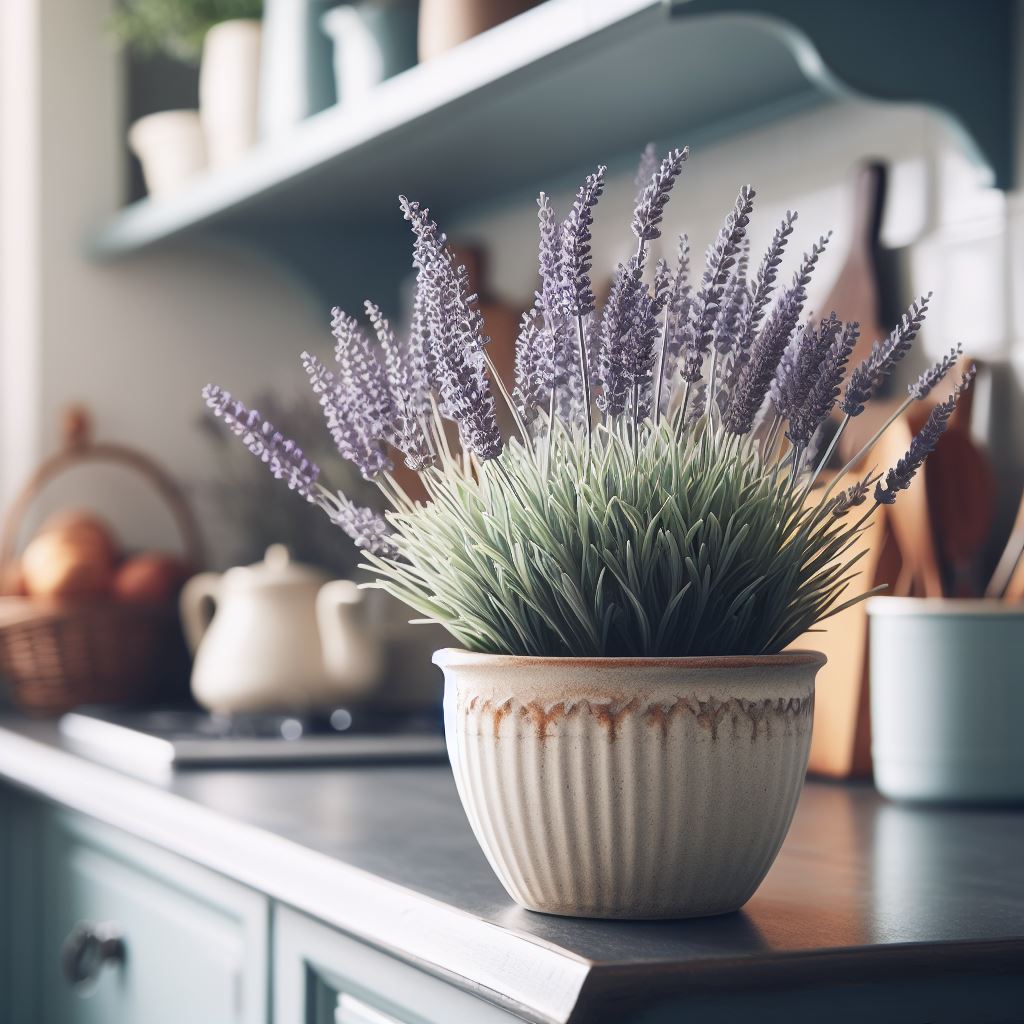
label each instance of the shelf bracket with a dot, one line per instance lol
(954, 56)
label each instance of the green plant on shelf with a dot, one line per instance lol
(176, 27)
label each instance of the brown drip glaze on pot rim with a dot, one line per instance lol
(460, 656)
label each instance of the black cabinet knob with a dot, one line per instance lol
(88, 947)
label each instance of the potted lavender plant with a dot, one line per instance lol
(627, 725)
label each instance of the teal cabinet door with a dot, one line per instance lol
(20, 845)
(132, 935)
(324, 977)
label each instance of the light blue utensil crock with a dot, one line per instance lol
(947, 699)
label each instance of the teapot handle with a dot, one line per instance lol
(351, 646)
(197, 605)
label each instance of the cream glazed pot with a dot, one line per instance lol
(629, 788)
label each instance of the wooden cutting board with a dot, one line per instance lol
(856, 293)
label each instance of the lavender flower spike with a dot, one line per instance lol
(651, 205)
(284, 458)
(367, 528)
(770, 346)
(902, 474)
(645, 171)
(577, 258)
(871, 373)
(934, 374)
(707, 301)
(854, 495)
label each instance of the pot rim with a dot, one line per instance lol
(929, 606)
(460, 656)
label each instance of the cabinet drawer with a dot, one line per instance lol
(181, 944)
(324, 977)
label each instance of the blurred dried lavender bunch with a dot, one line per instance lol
(661, 493)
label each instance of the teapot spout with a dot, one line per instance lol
(351, 647)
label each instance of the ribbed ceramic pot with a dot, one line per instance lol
(629, 788)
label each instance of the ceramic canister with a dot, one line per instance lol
(947, 699)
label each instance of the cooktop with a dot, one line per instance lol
(145, 740)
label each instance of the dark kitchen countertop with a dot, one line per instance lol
(872, 900)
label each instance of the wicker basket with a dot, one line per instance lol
(56, 655)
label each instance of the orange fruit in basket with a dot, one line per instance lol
(73, 556)
(83, 529)
(150, 578)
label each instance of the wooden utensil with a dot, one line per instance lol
(961, 499)
(841, 738)
(1008, 579)
(856, 293)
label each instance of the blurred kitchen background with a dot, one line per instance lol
(274, 150)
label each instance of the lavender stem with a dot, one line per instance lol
(585, 373)
(823, 461)
(660, 370)
(496, 377)
(871, 444)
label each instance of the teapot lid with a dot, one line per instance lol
(276, 569)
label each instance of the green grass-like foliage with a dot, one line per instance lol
(679, 542)
(176, 27)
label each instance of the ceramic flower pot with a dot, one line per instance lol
(629, 788)
(947, 699)
(229, 77)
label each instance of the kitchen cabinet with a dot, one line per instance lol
(320, 895)
(19, 888)
(325, 977)
(150, 937)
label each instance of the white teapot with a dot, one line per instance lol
(277, 635)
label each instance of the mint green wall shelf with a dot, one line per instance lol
(570, 82)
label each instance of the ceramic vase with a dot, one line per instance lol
(170, 147)
(229, 77)
(629, 788)
(444, 24)
(372, 42)
(947, 699)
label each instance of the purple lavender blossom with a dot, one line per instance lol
(817, 402)
(368, 529)
(769, 347)
(454, 326)
(533, 371)
(404, 428)
(764, 281)
(726, 331)
(361, 376)
(902, 474)
(650, 208)
(935, 373)
(662, 288)
(872, 372)
(614, 325)
(284, 458)
(352, 431)
(645, 170)
(577, 294)
(854, 495)
(798, 368)
(705, 304)
(677, 308)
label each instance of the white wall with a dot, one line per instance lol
(134, 340)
